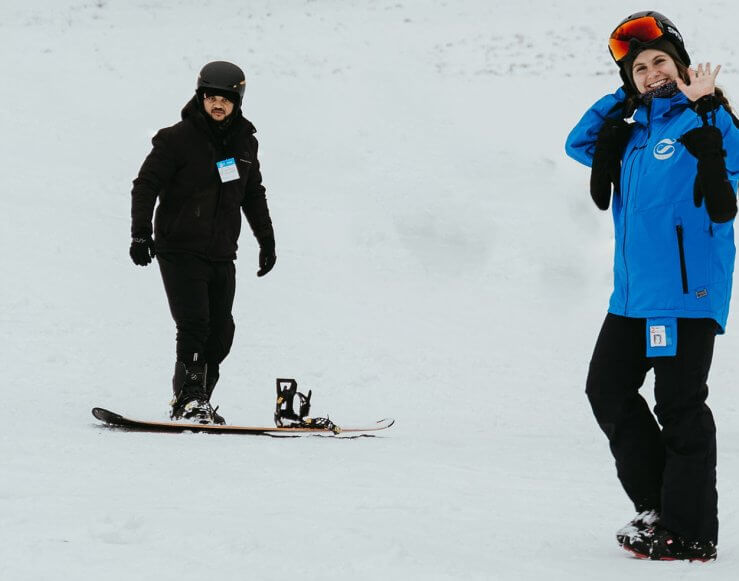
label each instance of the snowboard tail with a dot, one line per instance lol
(115, 420)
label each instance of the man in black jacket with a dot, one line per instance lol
(204, 171)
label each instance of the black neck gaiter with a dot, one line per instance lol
(667, 90)
(220, 128)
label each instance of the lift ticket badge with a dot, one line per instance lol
(661, 337)
(228, 170)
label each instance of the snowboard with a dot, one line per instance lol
(115, 420)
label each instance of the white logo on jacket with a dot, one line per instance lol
(665, 149)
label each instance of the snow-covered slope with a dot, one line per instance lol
(440, 262)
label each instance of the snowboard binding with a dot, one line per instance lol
(285, 415)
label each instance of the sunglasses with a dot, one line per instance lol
(644, 29)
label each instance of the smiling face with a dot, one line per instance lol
(218, 107)
(651, 69)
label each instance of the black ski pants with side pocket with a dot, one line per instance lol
(671, 468)
(201, 295)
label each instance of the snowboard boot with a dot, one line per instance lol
(190, 401)
(663, 545)
(642, 525)
(210, 384)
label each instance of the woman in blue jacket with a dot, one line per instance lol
(674, 169)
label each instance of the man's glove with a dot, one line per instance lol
(267, 257)
(142, 251)
(707, 145)
(606, 168)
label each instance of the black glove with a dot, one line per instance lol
(606, 168)
(707, 145)
(267, 257)
(142, 251)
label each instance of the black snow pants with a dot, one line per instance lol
(200, 294)
(672, 469)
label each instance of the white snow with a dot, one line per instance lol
(440, 261)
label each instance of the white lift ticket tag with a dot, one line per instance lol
(657, 336)
(661, 337)
(228, 170)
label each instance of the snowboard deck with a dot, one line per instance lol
(115, 420)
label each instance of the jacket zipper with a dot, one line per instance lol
(211, 243)
(626, 194)
(628, 197)
(683, 267)
(215, 222)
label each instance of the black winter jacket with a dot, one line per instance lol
(198, 214)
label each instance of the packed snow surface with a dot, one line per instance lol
(439, 262)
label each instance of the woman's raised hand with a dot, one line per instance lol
(702, 82)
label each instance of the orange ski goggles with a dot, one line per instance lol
(645, 29)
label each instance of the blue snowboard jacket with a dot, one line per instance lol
(670, 259)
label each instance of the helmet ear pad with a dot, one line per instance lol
(628, 82)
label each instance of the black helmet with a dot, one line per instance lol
(222, 78)
(641, 37)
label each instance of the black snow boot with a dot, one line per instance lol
(211, 379)
(642, 525)
(190, 401)
(664, 545)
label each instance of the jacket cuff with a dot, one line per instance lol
(705, 105)
(142, 231)
(266, 242)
